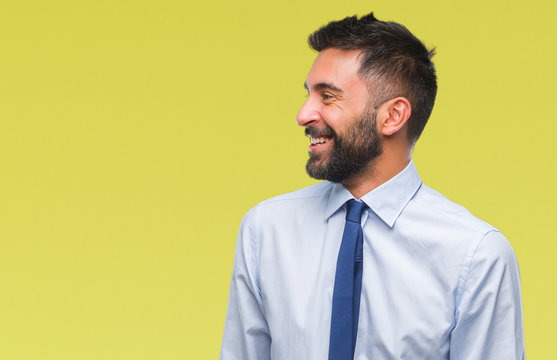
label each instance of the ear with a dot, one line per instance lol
(393, 115)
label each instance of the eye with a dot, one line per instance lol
(326, 96)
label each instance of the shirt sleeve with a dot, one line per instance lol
(489, 316)
(246, 334)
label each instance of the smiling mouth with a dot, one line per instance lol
(319, 140)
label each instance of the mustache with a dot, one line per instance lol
(315, 132)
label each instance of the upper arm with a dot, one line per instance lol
(246, 335)
(489, 314)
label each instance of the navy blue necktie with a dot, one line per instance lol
(348, 286)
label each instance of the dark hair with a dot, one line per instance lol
(394, 62)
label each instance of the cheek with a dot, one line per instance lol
(335, 118)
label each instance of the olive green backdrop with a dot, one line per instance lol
(134, 135)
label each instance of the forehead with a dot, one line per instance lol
(338, 67)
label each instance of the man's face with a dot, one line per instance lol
(338, 117)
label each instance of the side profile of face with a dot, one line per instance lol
(339, 117)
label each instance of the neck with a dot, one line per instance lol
(379, 171)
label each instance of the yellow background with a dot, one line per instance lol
(134, 135)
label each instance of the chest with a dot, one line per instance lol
(408, 291)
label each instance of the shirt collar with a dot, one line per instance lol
(387, 200)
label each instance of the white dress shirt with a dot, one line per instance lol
(438, 283)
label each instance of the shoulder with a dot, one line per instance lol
(484, 245)
(289, 204)
(481, 248)
(310, 192)
(430, 202)
(494, 242)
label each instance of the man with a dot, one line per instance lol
(370, 264)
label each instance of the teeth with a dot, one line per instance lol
(320, 140)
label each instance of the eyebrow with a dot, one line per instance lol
(323, 86)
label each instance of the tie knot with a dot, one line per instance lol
(354, 209)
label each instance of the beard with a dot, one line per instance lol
(352, 150)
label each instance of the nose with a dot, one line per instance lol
(307, 114)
